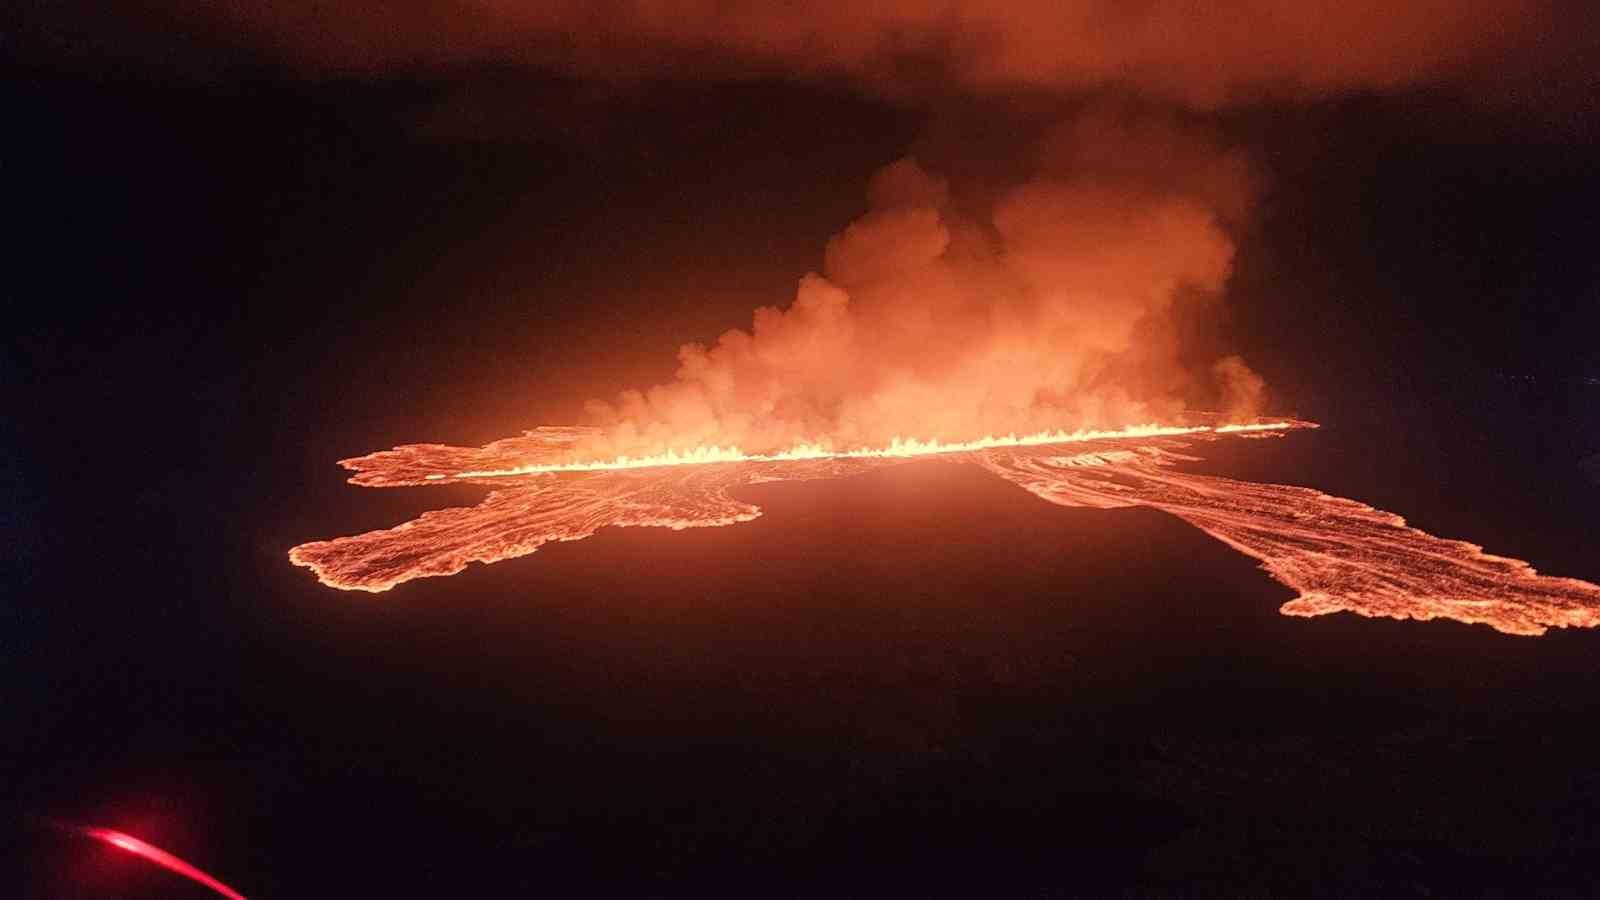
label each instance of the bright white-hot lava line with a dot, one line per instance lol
(1338, 554)
(899, 448)
(161, 858)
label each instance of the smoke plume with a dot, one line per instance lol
(1050, 307)
(1056, 303)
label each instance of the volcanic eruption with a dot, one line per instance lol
(1039, 324)
(1037, 339)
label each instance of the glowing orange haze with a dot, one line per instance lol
(1339, 555)
(1191, 52)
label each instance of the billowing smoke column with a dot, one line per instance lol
(936, 316)
(1050, 306)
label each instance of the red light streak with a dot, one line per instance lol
(161, 858)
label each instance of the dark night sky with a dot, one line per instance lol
(225, 274)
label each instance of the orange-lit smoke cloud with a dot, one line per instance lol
(1051, 306)
(1200, 54)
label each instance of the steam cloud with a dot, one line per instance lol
(1055, 304)
(1052, 307)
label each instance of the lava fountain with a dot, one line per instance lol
(1339, 554)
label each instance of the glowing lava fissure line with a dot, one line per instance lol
(161, 858)
(1336, 554)
(899, 448)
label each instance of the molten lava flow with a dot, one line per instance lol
(161, 858)
(1338, 554)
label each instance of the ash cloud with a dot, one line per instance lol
(1051, 305)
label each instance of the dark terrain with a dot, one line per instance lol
(921, 679)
